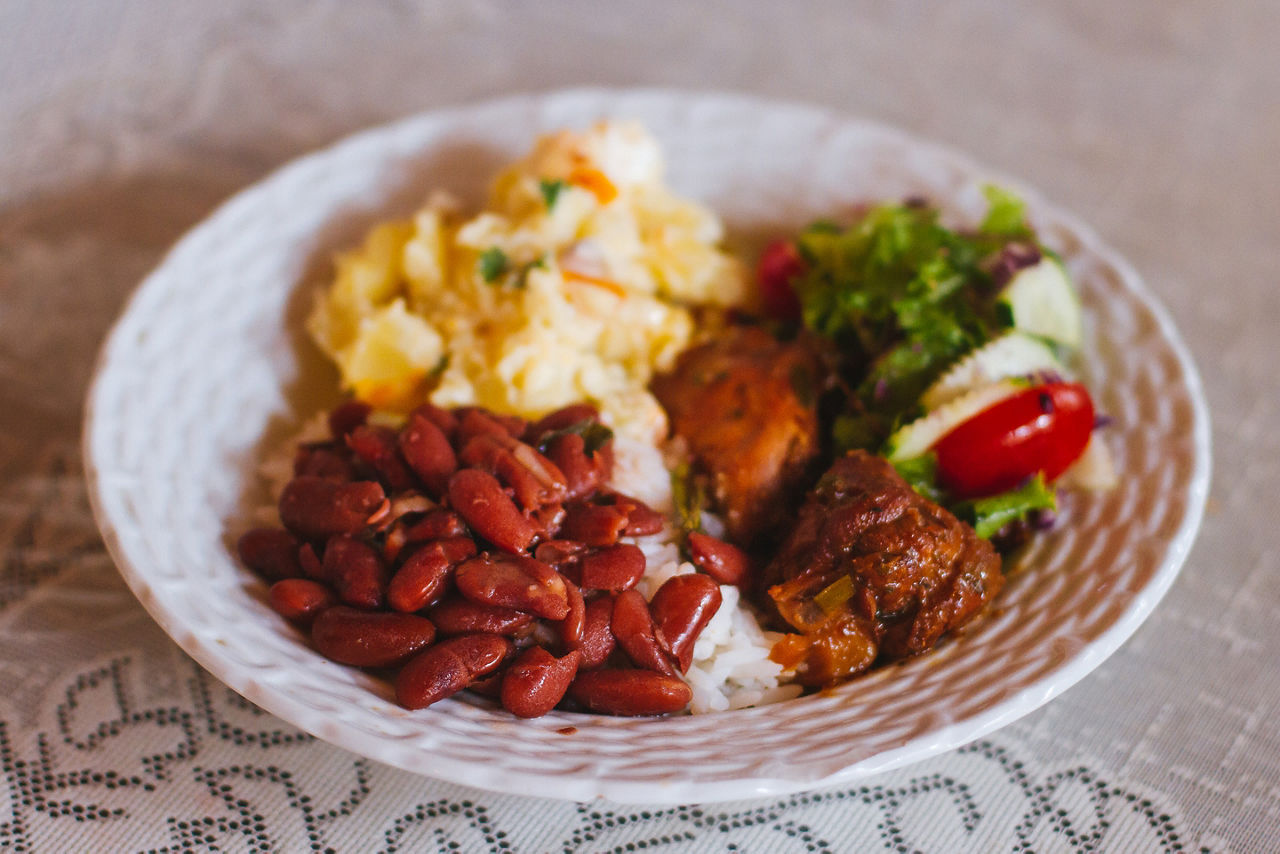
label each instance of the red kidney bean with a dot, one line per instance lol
(681, 609)
(603, 457)
(421, 581)
(409, 503)
(513, 424)
(533, 478)
(403, 505)
(473, 421)
(323, 459)
(482, 451)
(488, 686)
(614, 568)
(270, 552)
(426, 449)
(528, 491)
(574, 413)
(549, 518)
(582, 473)
(571, 626)
(435, 525)
(642, 519)
(536, 681)
(724, 562)
(457, 548)
(300, 599)
(369, 638)
(356, 572)
(448, 667)
(315, 508)
(393, 544)
(598, 642)
(630, 692)
(312, 566)
(633, 626)
(457, 616)
(548, 475)
(557, 552)
(347, 416)
(536, 480)
(478, 498)
(593, 524)
(379, 448)
(442, 418)
(514, 581)
(376, 517)
(563, 555)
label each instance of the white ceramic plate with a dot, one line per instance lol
(207, 360)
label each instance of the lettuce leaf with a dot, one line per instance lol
(989, 515)
(922, 474)
(904, 297)
(986, 515)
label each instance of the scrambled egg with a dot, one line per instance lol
(576, 283)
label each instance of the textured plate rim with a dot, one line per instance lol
(687, 789)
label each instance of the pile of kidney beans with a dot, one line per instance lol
(480, 551)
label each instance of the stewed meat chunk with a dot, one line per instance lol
(873, 570)
(746, 405)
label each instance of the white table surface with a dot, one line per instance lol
(124, 123)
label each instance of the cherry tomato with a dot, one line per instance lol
(1042, 429)
(780, 264)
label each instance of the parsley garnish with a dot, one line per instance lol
(522, 277)
(551, 191)
(594, 435)
(440, 367)
(492, 263)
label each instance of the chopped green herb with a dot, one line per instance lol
(594, 435)
(439, 368)
(551, 191)
(522, 277)
(834, 594)
(492, 263)
(688, 496)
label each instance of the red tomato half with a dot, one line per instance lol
(1043, 429)
(780, 264)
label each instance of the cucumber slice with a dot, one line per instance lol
(1040, 300)
(1094, 470)
(912, 440)
(1011, 355)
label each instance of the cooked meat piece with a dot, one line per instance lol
(746, 404)
(873, 570)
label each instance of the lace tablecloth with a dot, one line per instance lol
(123, 124)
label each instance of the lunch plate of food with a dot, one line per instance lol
(660, 447)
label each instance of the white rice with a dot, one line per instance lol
(731, 667)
